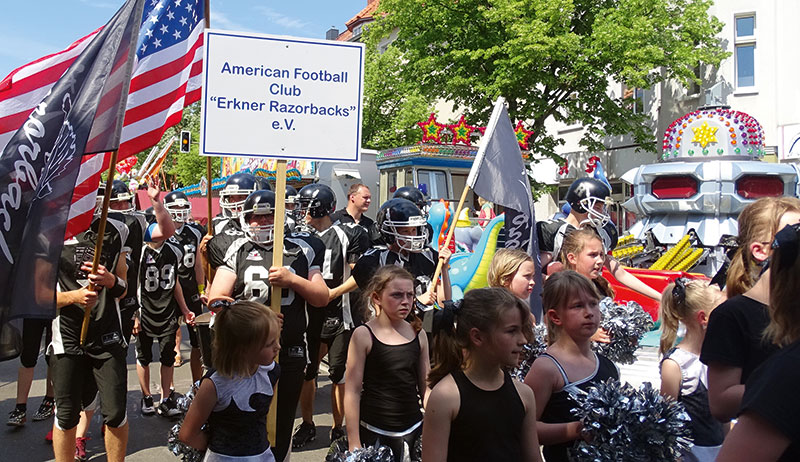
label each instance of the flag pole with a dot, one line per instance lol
(210, 229)
(98, 246)
(277, 261)
(473, 174)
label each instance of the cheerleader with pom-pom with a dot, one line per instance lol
(568, 366)
(234, 399)
(476, 412)
(683, 376)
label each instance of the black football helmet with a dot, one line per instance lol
(238, 184)
(316, 200)
(263, 183)
(261, 202)
(120, 194)
(178, 206)
(584, 195)
(401, 213)
(414, 195)
(291, 195)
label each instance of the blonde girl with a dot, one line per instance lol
(733, 347)
(683, 376)
(387, 363)
(767, 427)
(476, 412)
(234, 399)
(568, 365)
(514, 270)
(582, 251)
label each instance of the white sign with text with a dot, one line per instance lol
(281, 97)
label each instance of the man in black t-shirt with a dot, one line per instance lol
(344, 243)
(79, 372)
(358, 200)
(161, 299)
(248, 274)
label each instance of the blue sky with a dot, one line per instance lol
(34, 28)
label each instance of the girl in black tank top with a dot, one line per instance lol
(476, 412)
(569, 365)
(387, 363)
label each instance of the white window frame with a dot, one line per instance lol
(742, 41)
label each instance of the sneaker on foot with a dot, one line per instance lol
(16, 418)
(80, 449)
(304, 434)
(336, 433)
(46, 410)
(147, 406)
(169, 407)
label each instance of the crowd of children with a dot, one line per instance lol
(411, 369)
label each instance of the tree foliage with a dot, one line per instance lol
(549, 58)
(392, 106)
(184, 169)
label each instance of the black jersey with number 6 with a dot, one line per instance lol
(226, 231)
(344, 244)
(105, 331)
(187, 238)
(302, 254)
(158, 272)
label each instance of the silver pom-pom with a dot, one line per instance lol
(176, 446)
(625, 324)
(531, 351)
(630, 425)
(339, 453)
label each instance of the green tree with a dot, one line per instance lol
(392, 107)
(184, 168)
(549, 58)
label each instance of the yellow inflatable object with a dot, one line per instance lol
(480, 279)
(463, 219)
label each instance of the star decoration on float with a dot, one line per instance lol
(461, 131)
(522, 135)
(431, 129)
(704, 135)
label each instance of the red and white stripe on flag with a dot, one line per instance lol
(163, 83)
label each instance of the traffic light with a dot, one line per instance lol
(186, 139)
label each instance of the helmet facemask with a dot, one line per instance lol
(124, 198)
(597, 216)
(404, 241)
(180, 210)
(230, 208)
(260, 234)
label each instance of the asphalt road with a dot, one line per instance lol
(148, 435)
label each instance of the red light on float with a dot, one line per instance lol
(757, 186)
(674, 187)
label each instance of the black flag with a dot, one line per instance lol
(82, 114)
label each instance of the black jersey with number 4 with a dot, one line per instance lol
(187, 238)
(137, 225)
(344, 244)
(104, 336)
(157, 276)
(302, 254)
(421, 265)
(226, 231)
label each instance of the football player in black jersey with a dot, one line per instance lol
(344, 244)
(587, 198)
(248, 274)
(404, 229)
(79, 372)
(161, 297)
(191, 276)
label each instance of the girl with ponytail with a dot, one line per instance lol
(476, 412)
(387, 363)
(683, 377)
(734, 345)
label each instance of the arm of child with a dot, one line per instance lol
(445, 288)
(188, 316)
(753, 438)
(670, 379)
(543, 378)
(313, 290)
(424, 368)
(443, 404)
(725, 390)
(354, 376)
(530, 440)
(202, 405)
(627, 279)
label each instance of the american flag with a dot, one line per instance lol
(166, 78)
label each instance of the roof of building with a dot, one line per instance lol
(363, 16)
